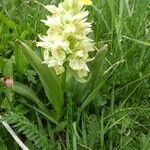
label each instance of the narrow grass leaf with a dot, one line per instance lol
(7, 21)
(2, 145)
(146, 143)
(137, 41)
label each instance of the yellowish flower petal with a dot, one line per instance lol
(54, 21)
(59, 69)
(77, 60)
(59, 54)
(86, 2)
(51, 8)
(44, 42)
(76, 63)
(83, 72)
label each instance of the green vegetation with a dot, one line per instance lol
(108, 112)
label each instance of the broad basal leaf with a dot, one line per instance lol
(48, 78)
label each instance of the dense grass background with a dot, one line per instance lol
(109, 113)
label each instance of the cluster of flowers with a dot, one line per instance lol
(66, 41)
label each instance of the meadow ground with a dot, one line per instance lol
(109, 112)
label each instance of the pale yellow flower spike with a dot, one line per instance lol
(67, 41)
(86, 2)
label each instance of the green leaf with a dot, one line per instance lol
(2, 145)
(21, 109)
(29, 93)
(7, 21)
(31, 75)
(49, 116)
(8, 72)
(96, 66)
(20, 61)
(145, 144)
(2, 63)
(137, 41)
(48, 78)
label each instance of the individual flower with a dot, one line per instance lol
(55, 63)
(78, 60)
(83, 72)
(67, 42)
(53, 22)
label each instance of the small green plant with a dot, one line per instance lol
(24, 126)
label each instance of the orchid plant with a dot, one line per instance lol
(66, 47)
